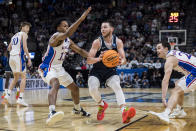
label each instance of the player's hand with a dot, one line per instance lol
(164, 102)
(29, 63)
(85, 14)
(121, 60)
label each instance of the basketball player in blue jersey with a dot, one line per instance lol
(181, 62)
(18, 49)
(53, 73)
(101, 73)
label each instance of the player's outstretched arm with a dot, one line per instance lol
(78, 50)
(91, 55)
(62, 36)
(165, 82)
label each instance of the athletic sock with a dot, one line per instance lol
(122, 109)
(101, 103)
(52, 108)
(77, 107)
(167, 111)
(21, 95)
(9, 92)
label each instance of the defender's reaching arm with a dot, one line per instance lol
(62, 36)
(78, 50)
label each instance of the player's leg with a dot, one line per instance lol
(51, 79)
(94, 84)
(178, 111)
(67, 81)
(12, 85)
(185, 85)
(20, 99)
(127, 113)
(7, 74)
(53, 116)
(173, 100)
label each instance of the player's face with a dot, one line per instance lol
(106, 29)
(26, 29)
(161, 51)
(63, 26)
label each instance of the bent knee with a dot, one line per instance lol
(54, 82)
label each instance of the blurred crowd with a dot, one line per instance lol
(137, 23)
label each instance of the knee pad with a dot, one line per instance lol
(114, 83)
(93, 84)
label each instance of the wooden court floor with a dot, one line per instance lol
(32, 118)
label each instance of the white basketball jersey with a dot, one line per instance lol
(186, 62)
(56, 55)
(17, 44)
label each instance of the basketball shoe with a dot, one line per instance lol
(20, 101)
(3, 95)
(162, 116)
(81, 111)
(101, 110)
(6, 98)
(54, 117)
(127, 114)
(177, 113)
(17, 93)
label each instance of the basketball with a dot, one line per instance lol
(110, 58)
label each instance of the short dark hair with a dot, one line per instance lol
(109, 22)
(166, 44)
(22, 24)
(58, 22)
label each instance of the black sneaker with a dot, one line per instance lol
(54, 117)
(81, 111)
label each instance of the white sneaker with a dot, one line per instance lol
(162, 116)
(54, 117)
(21, 102)
(177, 113)
(6, 98)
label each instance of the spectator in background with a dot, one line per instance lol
(1, 69)
(145, 82)
(134, 63)
(157, 65)
(136, 82)
(128, 81)
(80, 80)
(122, 79)
(193, 52)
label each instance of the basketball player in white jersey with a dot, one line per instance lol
(181, 62)
(101, 73)
(18, 49)
(53, 73)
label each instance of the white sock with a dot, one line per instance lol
(178, 107)
(167, 111)
(9, 91)
(101, 103)
(6, 90)
(21, 95)
(77, 107)
(122, 108)
(52, 108)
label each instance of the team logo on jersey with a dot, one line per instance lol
(114, 45)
